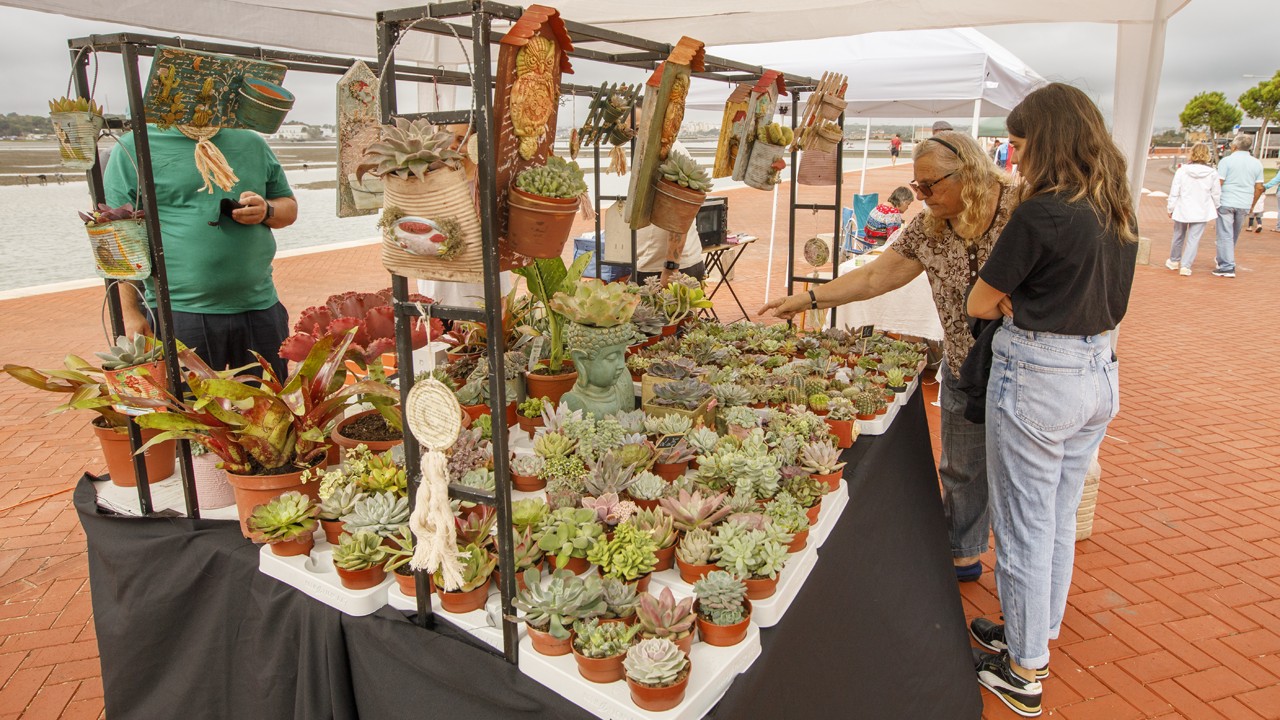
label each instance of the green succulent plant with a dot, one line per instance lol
(551, 444)
(731, 394)
(528, 513)
(127, 352)
(621, 598)
(525, 551)
(558, 178)
(285, 517)
(820, 458)
(690, 511)
(360, 551)
(743, 417)
(868, 403)
(685, 172)
(805, 489)
(647, 486)
(400, 552)
(477, 565)
(381, 473)
(673, 368)
(703, 440)
(819, 402)
(657, 525)
(696, 548)
(341, 501)
(663, 616)
(628, 555)
(840, 408)
(656, 662)
(749, 552)
(568, 533)
(721, 598)
(565, 599)
(527, 465)
(595, 640)
(787, 513)
(895, 377)
(608, 475)
(636, 455)
(597, 304)
(531, 408)
(381, 513)
(795, 396)
(682, 394)
(659, 425)
(409, 148)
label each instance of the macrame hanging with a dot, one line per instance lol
(210, 161)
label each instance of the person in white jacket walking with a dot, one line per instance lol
(1193, 203)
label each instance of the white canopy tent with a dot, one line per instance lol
(347, 28)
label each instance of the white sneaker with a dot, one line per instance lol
(1171, 264)
(1185, 272)
(1224, 273)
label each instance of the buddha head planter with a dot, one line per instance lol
(598, 334)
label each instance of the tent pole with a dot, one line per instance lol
(773, 225)
(977, 116)
(866, 144)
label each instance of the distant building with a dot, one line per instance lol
(291, 132)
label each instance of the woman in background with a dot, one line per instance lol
(1193, 204)
(1059, 276)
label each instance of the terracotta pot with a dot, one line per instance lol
(254, 490)
(668, 330)
(670, 471)
(333, 455)
(645, 504)
(550, 646)
(675, 206)
(628, 621)
(527, 483)
(408, 583)
(657, 699)
(119, 457)
(812, 513)
(332, 530)
(537, 226)
(375, 446)
(552, 387)
(361, 579)
(475, 411)
(882, 411)
(866, 417)
(529, 425)
(723, 635)
(464, 602)
(798, 541)
(761, 588)
(832, 479)
(300, 545)
(641, 583)
(636, 376)
(843, 430)
(600, 670)
(666, 559)
(693, 573)
(456, 356)
(576, 565)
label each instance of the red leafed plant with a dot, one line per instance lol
(105, 214)
(374, 319)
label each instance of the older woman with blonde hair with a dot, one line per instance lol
(1193, 203)
(967, 203)
(1058, 279)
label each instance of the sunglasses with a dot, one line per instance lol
(924, 188)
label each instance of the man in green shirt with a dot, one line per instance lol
(219, 267)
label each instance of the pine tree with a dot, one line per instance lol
(1211, 112)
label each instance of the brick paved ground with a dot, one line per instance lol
(1176, 606)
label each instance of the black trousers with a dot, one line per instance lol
(229, 341)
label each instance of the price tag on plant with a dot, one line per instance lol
(535, 352)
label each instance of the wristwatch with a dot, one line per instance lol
(271, 211)
(671, 265)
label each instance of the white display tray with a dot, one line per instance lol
(315, 575)
(881, 424)
(711, 673)
(474, 623)
(833, 504)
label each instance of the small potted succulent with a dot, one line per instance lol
(610, 510)
(598, 648)
(477, 571)
(740, 421)
(755, 553)
(567, 535)
(658, 526)
(529, 414)
(399, 548)
(551, 610)
(662, 616)
(528, 514)
(630, 556)
(380, 513)
(868, 404)
(695, 555)
(286, 523)
(622, 599)
(691, 398)
(789, 516)
(822, 461)
(840, 418)
(819, 403)
(671, 462)
(526, 471)
(341, 501)
(525, 553)
(422, 175)
(647, 489)
(679, 193)
(541, 207)
(694, 510)
(895, 379)
(657, 674)
(722, 608)
(807, 491)
(358, 559)
(546, 277)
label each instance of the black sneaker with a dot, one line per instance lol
(1021, 696)
(990, 635)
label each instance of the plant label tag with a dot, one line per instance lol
(668, 441)
(535, 352)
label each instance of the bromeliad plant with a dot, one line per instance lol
(261, 426)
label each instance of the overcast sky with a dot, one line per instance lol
(1210, 45)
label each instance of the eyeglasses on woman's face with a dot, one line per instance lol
(924, 188)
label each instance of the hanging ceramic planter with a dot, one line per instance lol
(539, 227)
(675, 207)
(77, 134)
(262, 105)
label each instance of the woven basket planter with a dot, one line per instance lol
(831, 107)
(826, 139)
(120, 249)
(77, 134)
(817, 168)
(443, 194)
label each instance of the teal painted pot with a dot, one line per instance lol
(263, 105)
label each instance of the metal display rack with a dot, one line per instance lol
(623, 50)
(836, 240)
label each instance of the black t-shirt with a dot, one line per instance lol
(1064, 271)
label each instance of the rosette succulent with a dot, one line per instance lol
(568, 533)
(657, 525)
(685, 172)
(690, 511)
(477, 565)
(285, 517)
(731, 394)
(628, 555)
(820, 458)
(665, 617)
(130, 352)
(409, 148)
(647, 486)
(528, 513)
(594, 640)
(360, 551)
(656, 662)
(667, 424)
(341, 501)
(720, 598)
(557, 178)
(609, 508)
(749, 552)
(682, 394)
(565, 599)
(597, 304)
(382, 514)
(743, 417)
(621, 598)
(696, 548)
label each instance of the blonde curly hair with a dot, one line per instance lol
(979, 178)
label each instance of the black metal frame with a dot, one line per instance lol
(792, 277)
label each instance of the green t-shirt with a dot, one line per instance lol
(212, 269)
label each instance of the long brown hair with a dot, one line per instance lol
(1069, 151)
(979, 178)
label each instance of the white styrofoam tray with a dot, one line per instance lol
(881, 424)
(711, 673)
(483, 624)
(315, 575)
(833, 504)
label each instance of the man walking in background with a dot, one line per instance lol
(1241, 175)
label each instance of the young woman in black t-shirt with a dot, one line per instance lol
(1060, 276)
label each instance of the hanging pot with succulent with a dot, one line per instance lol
(76, 124)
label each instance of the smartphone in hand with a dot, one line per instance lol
(228, 205)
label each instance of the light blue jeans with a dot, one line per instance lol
(1188, 233)
(1230, 224)
(1049, 400)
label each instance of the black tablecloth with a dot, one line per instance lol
(187, 626)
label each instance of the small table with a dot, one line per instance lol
(713, 258)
